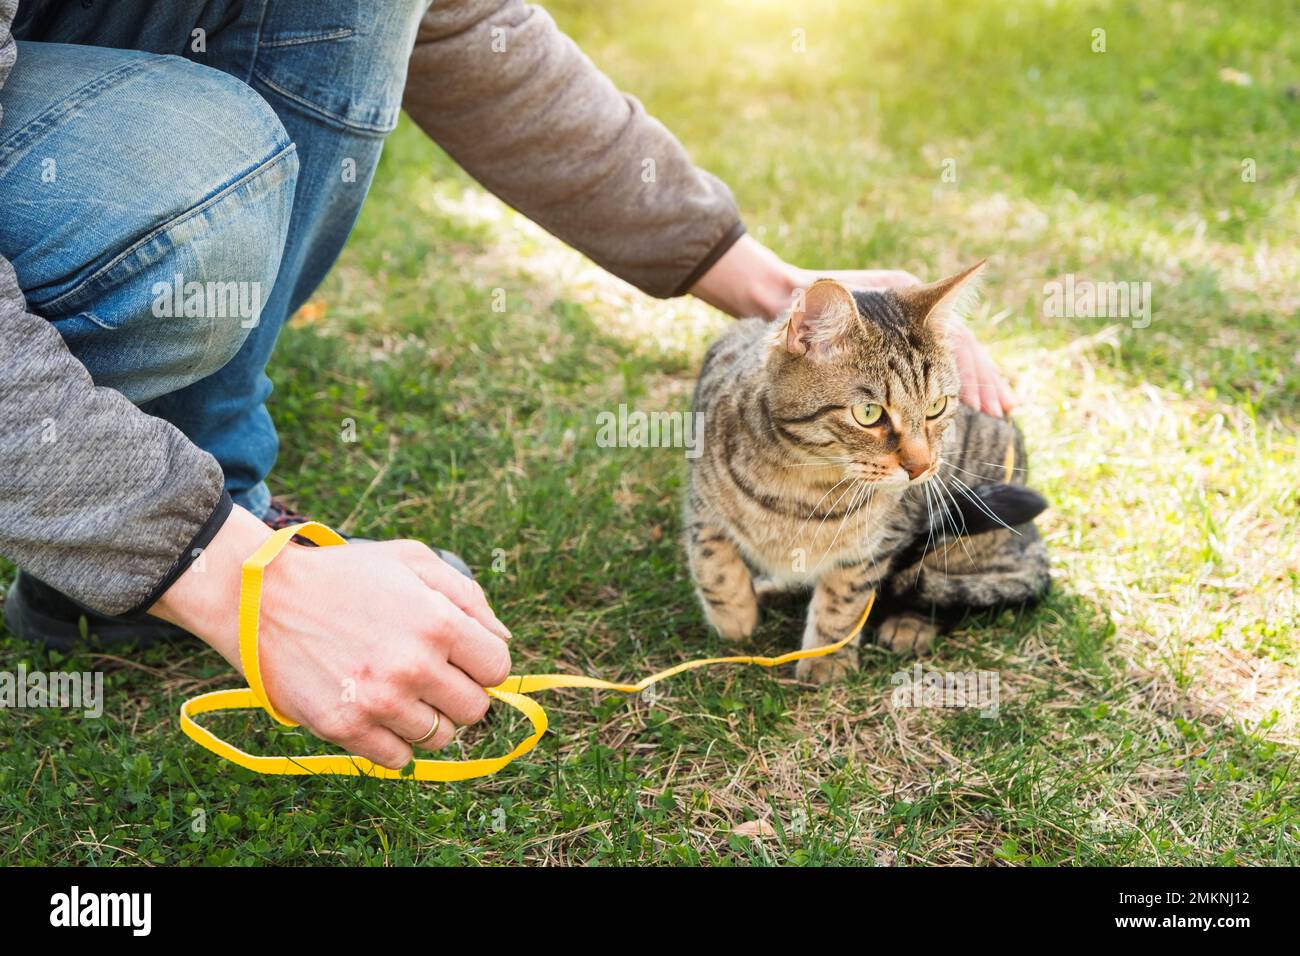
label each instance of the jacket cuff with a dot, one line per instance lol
(717, 252)
(187, 557)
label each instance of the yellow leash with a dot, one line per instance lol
(512, 691)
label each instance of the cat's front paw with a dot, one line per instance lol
(828, 670)
(735, 620)
(906, 634)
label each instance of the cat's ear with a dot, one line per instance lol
(820, 315)
(926, 303)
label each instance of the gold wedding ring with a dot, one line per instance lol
(437, 720)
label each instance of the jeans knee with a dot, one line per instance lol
(225, 249)
(225, 264)
(201, 242)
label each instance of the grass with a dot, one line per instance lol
(1148, 708)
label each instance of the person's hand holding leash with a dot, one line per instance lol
(371, 646)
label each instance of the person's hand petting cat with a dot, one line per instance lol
(752, 280)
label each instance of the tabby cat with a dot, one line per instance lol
(837, 456)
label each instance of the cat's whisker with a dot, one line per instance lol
(945, 519)
(944, 490)
(999, 465)
(941, 540)
(871, 497)
(937, 477)
(862, 488)
(843, 518)
(961, 535)
(929, 534)
(932, 539)
(969, 492)
(831, 510)
(815, 507)
(984, 479)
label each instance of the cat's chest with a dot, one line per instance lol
(852, 526)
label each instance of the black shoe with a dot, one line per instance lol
(37, 612)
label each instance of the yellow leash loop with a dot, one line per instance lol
(512, 691)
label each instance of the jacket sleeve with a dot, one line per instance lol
(98, 499)
(518, 105)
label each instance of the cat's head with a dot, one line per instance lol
(865, 381)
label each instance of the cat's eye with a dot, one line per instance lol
(867, 414)
(937, 407)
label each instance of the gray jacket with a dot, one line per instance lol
(108, 504)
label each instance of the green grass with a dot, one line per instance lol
(1149, 707)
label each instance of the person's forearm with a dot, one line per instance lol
(535, 122)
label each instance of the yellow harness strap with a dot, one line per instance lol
(1009, 462)
(512, 691)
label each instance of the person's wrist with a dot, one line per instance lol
(205, 598)
(749, 280)
(776, 290)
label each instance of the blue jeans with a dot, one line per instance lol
(177, 178)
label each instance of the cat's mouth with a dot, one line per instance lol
(925, 476)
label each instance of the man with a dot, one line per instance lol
(147, 149)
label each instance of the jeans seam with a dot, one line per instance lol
(288, 150)
(353, 125)
(340, 34)
(34, 128)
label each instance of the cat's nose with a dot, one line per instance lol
(914, 458)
